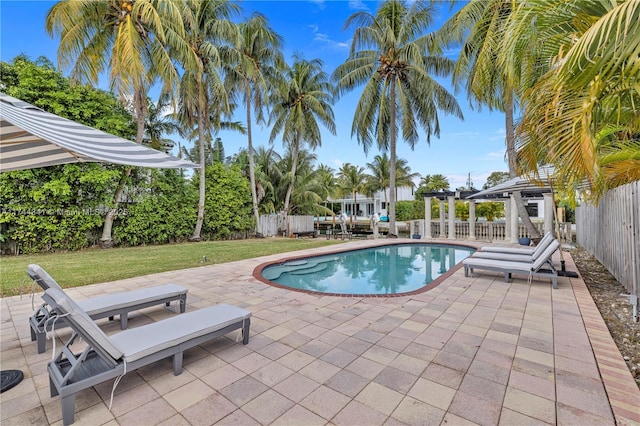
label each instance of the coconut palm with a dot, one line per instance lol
(582, 116)
(380, 176)
(301, 102)
(482, 27)
(435, 182)
(393, 56)
(128, 38)
(159, 123)
(259, 58)
(352, 180)
(209, 36)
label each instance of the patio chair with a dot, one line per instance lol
(508, 267)
(108, 357)
(513, 254)
(105, 306)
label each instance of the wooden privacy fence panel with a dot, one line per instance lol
(275, 224)
(611, 232)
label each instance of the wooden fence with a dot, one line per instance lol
(276, 224)
(611, 232)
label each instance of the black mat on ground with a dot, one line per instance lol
(10, 378)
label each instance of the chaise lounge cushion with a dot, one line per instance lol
(111, 302)
(139, 342)
(72, 309)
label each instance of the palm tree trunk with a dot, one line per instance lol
(106, 240)
(513, 169)
(201, 141)
(294, 166)
(392, 162)
(252, 166)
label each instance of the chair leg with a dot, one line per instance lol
(41, 339)
(177, 364)
(68, 409)
(245, 331)
(183, 303)
(124, 317)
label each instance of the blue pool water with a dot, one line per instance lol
(392, 269)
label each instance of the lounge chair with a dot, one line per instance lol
(513, 255)
(526, 251)
(107, 357)
(532, 268)
(102, 306)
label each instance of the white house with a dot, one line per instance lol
(364, 206)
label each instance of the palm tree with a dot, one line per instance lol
(158, 124)
(435, 182)
(392, 56)
(327, 181)
(380, 177)
(582, 114)
(352, 180)
(127, 37)
(203, 96)
(300, 103)
(260, 56)
(483, 29)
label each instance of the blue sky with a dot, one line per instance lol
(315, 28)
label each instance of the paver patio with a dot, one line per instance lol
(469, 351)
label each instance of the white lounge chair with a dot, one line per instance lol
(515, 254)
(109, 305)
(531, 268)
(107, 357)
(548, 236)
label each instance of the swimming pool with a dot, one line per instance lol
(383, 270)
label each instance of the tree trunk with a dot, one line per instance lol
(513, 169)
(252, 166)
(106, 240)
(294, 166)
(391, 214)
(201, 141)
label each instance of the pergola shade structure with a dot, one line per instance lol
(31, 137)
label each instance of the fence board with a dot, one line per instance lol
(610, 231)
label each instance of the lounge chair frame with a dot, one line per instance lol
(70, 373)
(103, 306)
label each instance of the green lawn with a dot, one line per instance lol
(97, 265)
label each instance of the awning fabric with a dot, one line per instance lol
(31, 137)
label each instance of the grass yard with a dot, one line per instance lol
(96, 265)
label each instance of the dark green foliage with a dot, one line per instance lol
(410, 210)
(228, 207)
(61, 207)
(162, 214)
(54, 208)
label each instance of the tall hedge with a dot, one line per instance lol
(228, 208)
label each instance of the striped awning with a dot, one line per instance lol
(31, 137)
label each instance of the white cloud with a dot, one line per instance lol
(319, 3)
(357, 5)
(324, 38)
(498, 135)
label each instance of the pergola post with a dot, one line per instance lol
(472, 219)
(442, 231)
(452, 217)
(549, 205)
(507, 219)
(427, 218)
(514, 220)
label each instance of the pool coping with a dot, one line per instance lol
(257, 271)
